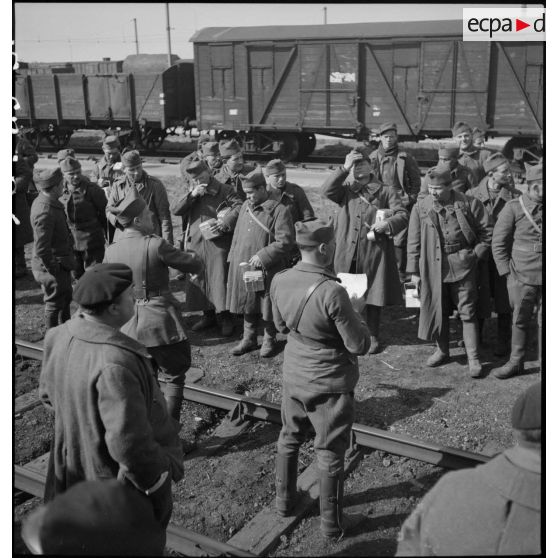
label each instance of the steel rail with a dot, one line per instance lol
(365, 436)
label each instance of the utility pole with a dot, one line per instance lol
(136, 34)
(169, 61)
(325, 15)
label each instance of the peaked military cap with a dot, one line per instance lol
(460, 128)
(387, 126)
(253, 180)
(494, 161)
(314, 232)
(438, 176)
(129, 208)
(229, 148)
(102, 283)
(526, 412)
(63, 153)
(533, 172)
(448, 151)
(111, 141)
(69, 164)
(47, 178)
(477, 133)
(210, 148)
(131, 159)
(275, 166)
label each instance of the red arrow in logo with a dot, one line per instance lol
(519, 24)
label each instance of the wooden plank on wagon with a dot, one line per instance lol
(39, 465)
(27, 401)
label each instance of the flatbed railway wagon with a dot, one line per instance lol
(276, 87)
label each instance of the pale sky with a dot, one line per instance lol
(60, 32)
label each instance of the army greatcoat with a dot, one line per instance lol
(294, 197)
(23, 232)
(110, 417)
(226, 176)
(273, 249)
(212, 282)
(474, 160)
(155, 196)
(493, 509)
(375, 258)
(428, 253)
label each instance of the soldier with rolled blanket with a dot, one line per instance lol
(469, 156)
(517, 248)
(263, 238)
(364, 243)
(494, 191)
(233, 168)
(53, 257)
(84, 203)
(156, 322)
(448, 233)
(152, 191)
(207, 199)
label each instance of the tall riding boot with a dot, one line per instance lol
(514, 365)
(249, 340)
(471, 340)
(373, 314)
(331, 504)
(51, 318)
(441, 354)
(502, 346)
(285, 482)
(269, 340)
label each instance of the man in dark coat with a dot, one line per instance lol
(320, 370)
(448, 234)
(22, 230)
(493, 509)
(149, 188)
(494, 191)
(263, 239)
(233, 168)
(84, 203)
(370, 216)
(205, 199)
(156, 322)
(53, 258)
(517, 249)
(470, 156)
(394, 167)
(110, 417)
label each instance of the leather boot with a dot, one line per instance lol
(269, 343)
(331, 504)
(51, 318)
(514, 366)
(503, 335)
(471, 340)
(226, 324)
(174, 405)
(285, 483)
(373, 314)
(249, 340)
(441, 354)
(207, 321)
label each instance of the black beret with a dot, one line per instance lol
(533, 172)
(102, 283)
(438, 176)
(460, 128)
(526, 413)
(96, 518)
(47, 178)
(229, 148)
(131, 159)
(275, 166)
(253, 180)
(63, 153)
(111, 141)
(314, 232)
(69, 164)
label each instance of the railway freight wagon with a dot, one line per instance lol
(275, 87)
(143, 101)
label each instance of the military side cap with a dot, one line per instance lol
(47, 178)
(102, 283)
(95, 518)
(229, 148)
(460, 128)
(195, 166)
(129, 208)
(253, 180)
(533, 172)
(438, 176)
(448, 151)
(63, 153)
(131, 159)
(314, 233)
(526, 412)
(203, 138)
(111, 141)
(494, 161)
(210, 148)
(477, 133)
(387, 126)
(275, 166)
(69, 164)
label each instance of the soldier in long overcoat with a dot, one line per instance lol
(494, 191)
(110, 418)
(470, 156)
(204, 198)
(263, 238)
(149, 188)
(156, 322)
(448, 233)
(22, 231)
(233, 168)
(359, 198)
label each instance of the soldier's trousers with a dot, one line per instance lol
(330, 414)
(524, 299)
(173, 362)
(463, 295)
(57, 295)
(86, 258)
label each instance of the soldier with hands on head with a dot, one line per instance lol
(364, 242)
(233, 168)
(320, 370)
(207, 199)
(156, 322)
(517, 250)
(470, 156)
(448, 233)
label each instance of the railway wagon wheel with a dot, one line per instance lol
(307, 144)
(152, 138)
(290, 147)
(58, 137)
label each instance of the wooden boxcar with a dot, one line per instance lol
(282, 84)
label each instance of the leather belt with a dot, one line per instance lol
(536, 247)
(330, 344)
(138, 293)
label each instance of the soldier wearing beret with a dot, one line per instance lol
(233, 167)
(149, 188)
(517, 250)
(320, 370)
(494, 191)
(84, 203)
(205, 199)
(394, 167)
(364, 241)
(448, 233)
(263, 238)
(493, 509)
(462, 179)
(110, 417)
(470, 156)
(156, 323)
(53, 258)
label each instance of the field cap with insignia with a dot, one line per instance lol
(438, 176)
(526, 412)
(111, 141)
(229, 148)
(314, 232)
(275, 166)
(129, 208)
(253, 180)
(63, 153)
(460, 128)
(533, 172)
(386, 127)
(210, 148)
(102, 283)
(448, 151)
(494, 161)
(47, 178)
(131, 159)
(69, 164)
